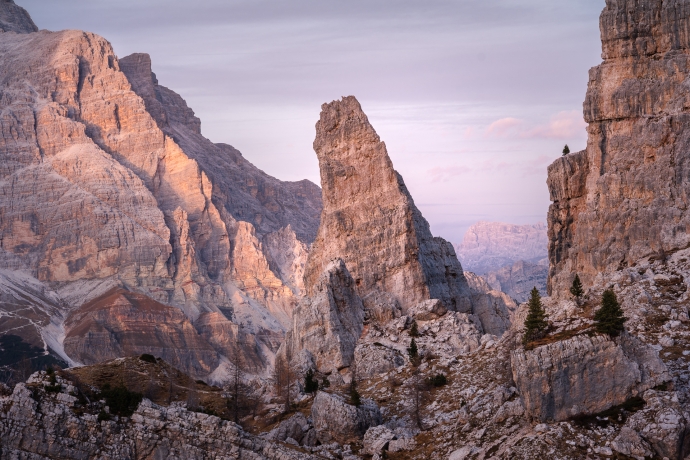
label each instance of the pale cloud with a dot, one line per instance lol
(563, 125)
(505, 127)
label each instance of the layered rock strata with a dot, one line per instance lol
(625, 197)
(122, 323)
(370, 221)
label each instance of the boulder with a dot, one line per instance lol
(428, 310)
(373, 359)
(337, 421)
(377, 439)
(584, 375)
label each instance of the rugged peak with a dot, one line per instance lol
(14, 18)
(370, 221)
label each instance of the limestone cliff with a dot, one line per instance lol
(106, 181)
(625, 197)
(370, 221)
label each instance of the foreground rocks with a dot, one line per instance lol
(584, 375)
(38, 424)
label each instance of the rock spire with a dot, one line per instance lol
(370, 220)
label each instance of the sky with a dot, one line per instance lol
(473, 98)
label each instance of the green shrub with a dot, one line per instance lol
(437, 380)
(566, 150)
(310, 384)
(609, 318)
(120, 400)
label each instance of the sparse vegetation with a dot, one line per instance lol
(576, 289)
(413, 352)
(414, 329)
(437, 380)
(609, 318)
(148, 358)
(536, 322)
(566, 150)
(120, 400)
(311, 385)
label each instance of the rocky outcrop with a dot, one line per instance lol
(335, 420)
(329, 323)
(625, 197)
(123, 323)
(370, 221)
(489, 246)
(584, 375)
(494, 309)
(37, 424)
(14, 18)
(519, 279)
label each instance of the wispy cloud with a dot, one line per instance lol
(563, 125)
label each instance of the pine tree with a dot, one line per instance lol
(414, 330)
(609, 318)
(310, 384)
(576, 289)
(412, 351)
(535, 323)
(566, 150)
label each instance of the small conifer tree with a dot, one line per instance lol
(535, 323)
(414, 330)
(355, 398)
(566, 150)
(311, 385)
(413, 353)
(609, 318)
(576, 289)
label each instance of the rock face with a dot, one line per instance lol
(584, 375)
(489, 246)
(38, 424)
(105, 180)
(519, 279)
(335, 420)
(624, 198)
(123, 323)
(14, 18)
(370, 221)
(329, 323)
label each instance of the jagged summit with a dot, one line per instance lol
(370, 220)
(14, 18)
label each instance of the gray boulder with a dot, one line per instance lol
(337, 421)
(584, 375)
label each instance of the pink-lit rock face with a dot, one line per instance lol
(625, 197)
(106, 179)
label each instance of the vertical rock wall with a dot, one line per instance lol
(626, 196)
